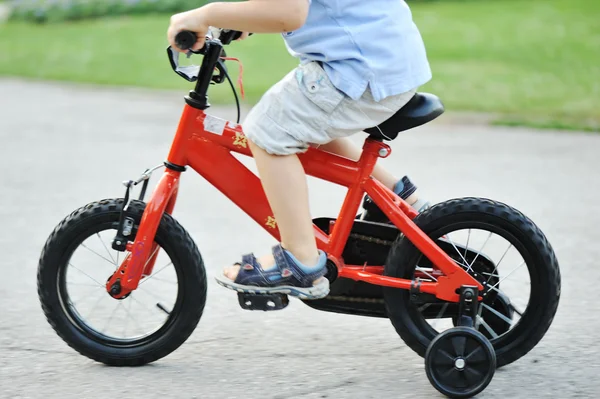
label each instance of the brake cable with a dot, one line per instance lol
(240, 83)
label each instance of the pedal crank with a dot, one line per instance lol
(263, 302)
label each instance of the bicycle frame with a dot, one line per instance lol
(207, 143)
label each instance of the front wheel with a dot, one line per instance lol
(506, 252)
(149, 323)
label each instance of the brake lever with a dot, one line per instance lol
(222, 68)
(189, 73)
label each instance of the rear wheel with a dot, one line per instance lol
(515, 316)
(146, 325)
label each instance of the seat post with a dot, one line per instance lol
(373, 148)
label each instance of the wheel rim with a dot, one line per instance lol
(493, 310)
(133, 314)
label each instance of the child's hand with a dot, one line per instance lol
(193, 21)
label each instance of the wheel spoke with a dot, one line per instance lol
(83, 299)
(508, 275)
(133, 318)
(441, 312)
(154, 274)
(500, 261)
(459, 343)
(479, 311)
(487, 327)
(467, 244)
(514, 308)
(456, 249)
(83, 284)
(144, 305)
(165, 281)
(476, 356)
(479, 252)
(81, 271)
(105, 247)
(472, 376)
(95, 306)
(490, 274)
(443, 358)
(450, 376)
(111, 316)
(422, 270)
(422, 308)
(498, 314)
(97, 254)
(126, 321)
(89, 293)
(156, 296)
(499, 291)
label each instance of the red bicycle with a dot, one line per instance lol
(415, 269)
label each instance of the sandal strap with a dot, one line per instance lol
(287, 266)
(249, 259)
(248, 265)
(286, 271)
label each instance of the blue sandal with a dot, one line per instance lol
(287, 277)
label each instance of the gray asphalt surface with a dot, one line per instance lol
(63, 146)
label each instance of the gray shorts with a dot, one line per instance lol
(305, 109)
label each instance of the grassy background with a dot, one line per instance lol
(532, 62)
(69, 10)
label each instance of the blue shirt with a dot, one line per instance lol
(363, 43)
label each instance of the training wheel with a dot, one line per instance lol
(460, 362)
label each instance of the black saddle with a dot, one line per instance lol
(422, 108)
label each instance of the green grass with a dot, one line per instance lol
(534, 62)
(129, 51)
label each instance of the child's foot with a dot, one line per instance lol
(280, 273)
(405, 189)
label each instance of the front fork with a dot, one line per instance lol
(143, 250)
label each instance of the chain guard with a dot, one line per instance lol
(369, 244)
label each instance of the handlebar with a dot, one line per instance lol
(186, 39)
(204, 75)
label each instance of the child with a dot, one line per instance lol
(361, 61)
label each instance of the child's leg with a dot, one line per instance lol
(284, 182)
(303, 108)
(278, 127)
(346, 148)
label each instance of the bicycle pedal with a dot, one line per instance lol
(265, 302)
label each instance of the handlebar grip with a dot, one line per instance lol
(185, 40)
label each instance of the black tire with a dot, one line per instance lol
(524, 235)
(170, 236)
(480, 363)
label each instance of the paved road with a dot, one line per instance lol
(63, 146)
